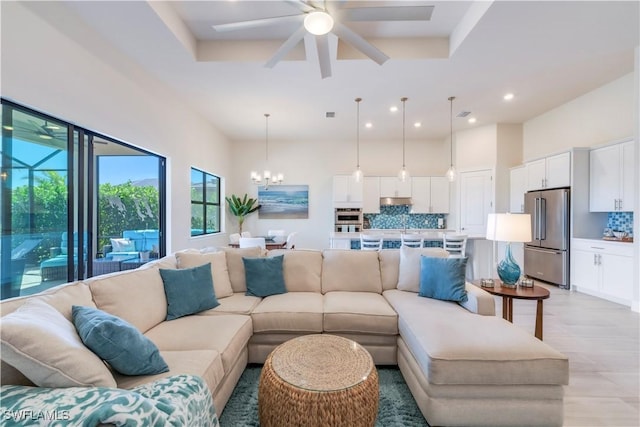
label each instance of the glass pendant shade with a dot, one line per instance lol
(357, 175)
(508, 269)
(404, 174)
(451, 174)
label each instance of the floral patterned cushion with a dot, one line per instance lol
(181, 400)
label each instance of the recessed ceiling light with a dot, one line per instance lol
(393, 108)
(368, 125)
(417, 124)
(7, 127)
(472, 120)
(508, 97)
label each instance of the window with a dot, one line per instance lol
(59, 182)
(205, 203)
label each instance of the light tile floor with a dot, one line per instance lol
(602, 341)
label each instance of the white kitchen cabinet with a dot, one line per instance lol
(603, 269)
(549, 172)
(518, 186)
(429, 194)
(347, 192)
(371, 194)
(391, 186)
(611, 171)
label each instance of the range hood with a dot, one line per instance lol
(395, 201)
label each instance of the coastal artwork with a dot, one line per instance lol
(283, 202)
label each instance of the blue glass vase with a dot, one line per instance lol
(508, 270)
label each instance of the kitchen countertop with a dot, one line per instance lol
(394, 234)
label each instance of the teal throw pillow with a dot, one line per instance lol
(188, 290)
(264, 276)
(443, 278)
(117, 342)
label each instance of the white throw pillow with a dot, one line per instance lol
(409, 275)
(40, 342)
(123, 245)
(219, 272)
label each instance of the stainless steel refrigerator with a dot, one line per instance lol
(546, 257)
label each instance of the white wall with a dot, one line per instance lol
(602, 115)
(314, 163)
(47, 70)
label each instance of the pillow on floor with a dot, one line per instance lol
(443, 278)
(264, 276)
(409, 270)
(219, 271)
(40, 342)
(188, 290)
(117, 342)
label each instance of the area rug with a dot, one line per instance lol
(396, 408)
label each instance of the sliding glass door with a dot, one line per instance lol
(68, 196)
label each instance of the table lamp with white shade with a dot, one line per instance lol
(506, 227)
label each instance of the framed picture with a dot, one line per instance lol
(283, 202)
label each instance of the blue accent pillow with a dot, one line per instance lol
(117, 342)
(264, 276)
(443, 278)
(188, 290)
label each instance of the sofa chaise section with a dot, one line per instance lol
(458, 365)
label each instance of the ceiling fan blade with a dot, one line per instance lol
(289, 44)
(256, 23)
(322, 43)
(388, 13)
(301, 5)
(355, 40)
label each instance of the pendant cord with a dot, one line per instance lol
(404, 100)
(358, 132)
(266, 140)
(451, 98)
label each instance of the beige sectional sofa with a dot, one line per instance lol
(464, 365)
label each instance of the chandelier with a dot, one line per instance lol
(266, 178)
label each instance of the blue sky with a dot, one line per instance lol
(120, 169)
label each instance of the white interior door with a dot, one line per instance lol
(476, 201)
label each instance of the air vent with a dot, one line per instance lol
(463, 113)
(330, 114)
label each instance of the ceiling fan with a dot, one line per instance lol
(322, 18)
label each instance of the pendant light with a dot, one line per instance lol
(268, 178)
(403, 175)
(357, 174)
(451, 172)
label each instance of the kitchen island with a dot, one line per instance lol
(390, 236)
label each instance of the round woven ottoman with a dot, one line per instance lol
(318, 380)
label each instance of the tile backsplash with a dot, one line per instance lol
(395, 216)
(620, 221)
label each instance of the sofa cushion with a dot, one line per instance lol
(235, 265)
(264, 276)
(443, 278)
(409, 273)
(136, 296)
(42, 344)
(227, 334)
(203, 363)
(458, 347)
(290, 312)
(188, 291)
(238, 303)
(218, 260)
(302, 269)
(389, 268)
(117, 342)
(344, 270)
(359, 312)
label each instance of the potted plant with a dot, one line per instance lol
(240, 208)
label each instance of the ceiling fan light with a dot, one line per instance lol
(318, 23)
